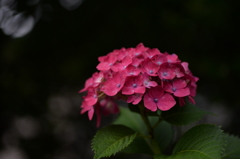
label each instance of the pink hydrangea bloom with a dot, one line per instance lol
(138, 75)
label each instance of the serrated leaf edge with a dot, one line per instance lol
(99, 156)
(226, 143)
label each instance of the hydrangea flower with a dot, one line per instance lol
(138, 75)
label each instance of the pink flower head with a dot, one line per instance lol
(137, 75)
(156, 98)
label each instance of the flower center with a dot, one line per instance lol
(174, 89)
(155, 100)
(151, 72)
(134, 85)
(118, 85)
(164, 73)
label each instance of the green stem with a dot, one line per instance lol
(145, 119)
(152, 143)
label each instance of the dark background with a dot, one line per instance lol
(49, 48)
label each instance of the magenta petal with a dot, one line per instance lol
(182, 92)
(152, 84)
(179, 83)
(88, 83)
(149, 103)
(168, 87)
(134, 99)
(172, 58)
(91, 100)
(181, 101)
(166, 102)
(103, 66)
(90, 114)
(191, 99)
(140, 90)
(127, 90)
(132, 71)
(112, 86)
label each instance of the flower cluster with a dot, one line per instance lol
(138, 74)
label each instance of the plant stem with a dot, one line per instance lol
(152, 144)
(145, 119)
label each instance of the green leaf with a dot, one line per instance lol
(132, 120)
(135, 122)
(186, 155)
(184, 115)
(163, 134)
(232, 150)
(204, 141)
(111, 140)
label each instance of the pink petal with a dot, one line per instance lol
(127, 90)
(122, 65)
(181, 101)
(182, 92)
(113, 85)
(166, 102)
(140, 90)
(179, 83)
(149, 103)
(156, 92)
(136, 61)
(152, 84)
(88, 83)
(132, 71)
(166, 71)
(168, 87)
(146, 81)
(152, 52)
(191, 99)
(103, 66)
(172, 58)
(134, 99)
(90, 114)
(159, 59)
(150, 67)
